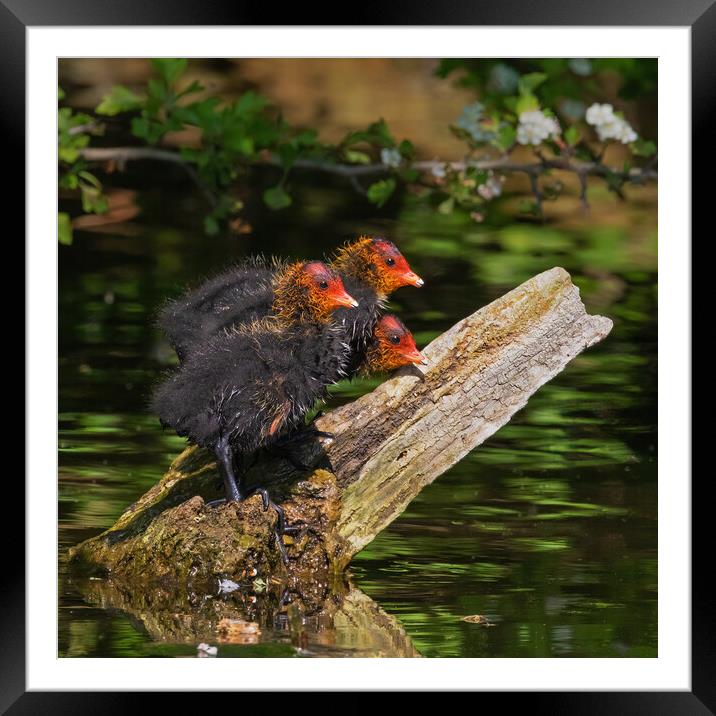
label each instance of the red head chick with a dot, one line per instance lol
(377, 262)
(309, 291)
(392, 346)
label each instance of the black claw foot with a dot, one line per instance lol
(264, 497)
(281, 527)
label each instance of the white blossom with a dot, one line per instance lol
(438, 170)
(599, 114)
(490, 189)
(391, 157)
(609, 125)
(618, 129)
(535, 126)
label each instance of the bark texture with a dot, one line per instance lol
(388, 445)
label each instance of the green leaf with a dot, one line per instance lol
(447, 206)
(511, 103)
(119, 99)
(381, 191)
(406, 149)
(505, 136)
(249, 103)
(191, 155)
(201, 114)
(526, 103)
(643, 148)
(307, 138)
(169, 68)
(64, 228)
(288, 154)
(276, 198)
(377, 134)
(191, 89)
(572, 135)
(90, 178)
(158, 92)
(352, 156)
(528, 83)
(237, 140)
(60, 94)
(211, 225)
(140, 127)
(69, 181)
(409, 175)
(69, 155)
(93, 200)
(148, 130)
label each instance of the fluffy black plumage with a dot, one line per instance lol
(358, 323)
(251, 385)
(244, 293)
(240, 294)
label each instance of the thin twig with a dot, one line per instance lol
(534, 185)
(122, 155)
(583, 189)
(356, 170)
(352, 172)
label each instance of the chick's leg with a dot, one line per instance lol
(225, 462)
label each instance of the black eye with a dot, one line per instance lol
(390, 262)
(394, 339)
(323, 284)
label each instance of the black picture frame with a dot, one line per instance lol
(699, 15)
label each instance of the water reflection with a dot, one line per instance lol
(548, 530)
(335, 620)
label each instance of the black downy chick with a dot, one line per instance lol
(371, 269)
(246, 388)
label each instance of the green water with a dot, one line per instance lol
(548, 530)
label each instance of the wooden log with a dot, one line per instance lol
(388, 445)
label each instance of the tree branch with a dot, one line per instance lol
(352, 171)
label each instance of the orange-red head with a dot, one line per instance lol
(378, 262)
(327, 285)
(392, 346)
(309, 291)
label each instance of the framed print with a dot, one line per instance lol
(357, 354)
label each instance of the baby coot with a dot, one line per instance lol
(371, 269)
(391, 346)
(244, 388)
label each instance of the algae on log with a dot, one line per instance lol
(387, 446)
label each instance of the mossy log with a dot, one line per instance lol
(388, 445)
